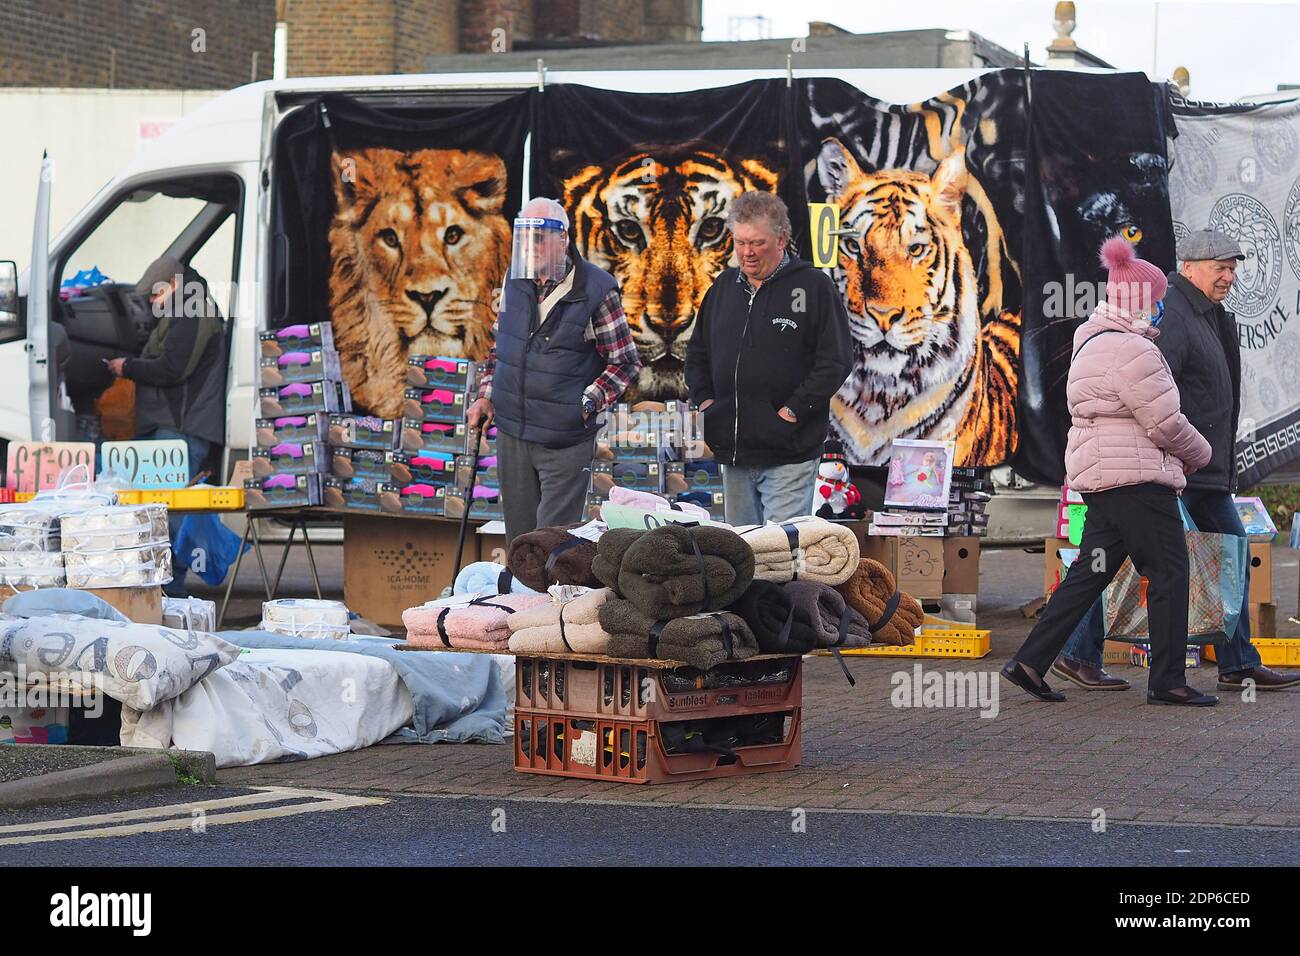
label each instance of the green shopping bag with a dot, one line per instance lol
(1216, 565)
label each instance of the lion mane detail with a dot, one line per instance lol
(419, 247)
(656, 219)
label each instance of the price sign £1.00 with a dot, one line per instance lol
(149, 464)
(36, 465)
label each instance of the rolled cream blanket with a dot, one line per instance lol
(700, 640)
(836, 623)
(891, 615)
(569, 628)
(569, 559)
(478, 625)
(803, 549)
(648, 501)
(780, 625)
(675, 570)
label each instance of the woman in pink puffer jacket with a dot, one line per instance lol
(1129, 450)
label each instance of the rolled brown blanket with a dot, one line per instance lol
(665, 576)
(836, 622)
(700, 640)
(871, 591)
(529, 554)
(779, 625)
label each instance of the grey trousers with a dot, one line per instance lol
(540, 486)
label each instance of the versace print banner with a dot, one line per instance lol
(932, 196)
(1096, 169)
(395, 225)
(1236, 169)
(648, 180)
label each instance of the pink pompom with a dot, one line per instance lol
(1117, 251)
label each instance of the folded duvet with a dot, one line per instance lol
(569, 628)
(802, 549)
(552, 556)
(700, 640)
(675, 570)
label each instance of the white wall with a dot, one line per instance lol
(90, 135)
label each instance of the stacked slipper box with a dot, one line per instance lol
(630, 722)
(300, 383)
(476, 479)
(360, 449)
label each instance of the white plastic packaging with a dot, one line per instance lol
(189, 614)
(115, 527)
(307, 617)
(124, 568)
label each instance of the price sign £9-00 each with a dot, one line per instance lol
(36, 465)
(148, 464)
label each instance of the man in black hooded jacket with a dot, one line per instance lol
(770, 347)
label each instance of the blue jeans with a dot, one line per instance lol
(754, 495)
(1212, 511)
(198, 449)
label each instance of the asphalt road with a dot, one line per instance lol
(415, 831)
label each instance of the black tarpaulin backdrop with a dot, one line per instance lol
(647, 180)
(395, 224)
(934, 317)
(1097, 159)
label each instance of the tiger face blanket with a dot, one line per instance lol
(648, 181)
(930, 196)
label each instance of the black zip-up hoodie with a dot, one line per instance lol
(786, 345)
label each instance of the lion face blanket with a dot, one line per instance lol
(675, 570)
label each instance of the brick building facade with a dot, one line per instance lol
(216, 44)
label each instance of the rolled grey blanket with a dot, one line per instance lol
(836, 623)
(675, 570)
(700, 640)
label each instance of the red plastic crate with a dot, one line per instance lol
(632, 751)
(629, 690)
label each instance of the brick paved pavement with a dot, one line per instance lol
(1238, 763)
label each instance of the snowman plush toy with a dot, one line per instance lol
(838, 497)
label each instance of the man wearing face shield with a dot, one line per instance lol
(563, 353)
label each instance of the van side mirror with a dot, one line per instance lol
(8, 295)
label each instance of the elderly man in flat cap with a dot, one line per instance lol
(1198, 338)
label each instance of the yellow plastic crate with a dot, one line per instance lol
(968, 643)
(24, 495)
(154, 496)
(227, 498)
(1273, 651)
(130, 497)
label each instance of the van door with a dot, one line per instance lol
(194, 218)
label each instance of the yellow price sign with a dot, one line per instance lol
(824, 226)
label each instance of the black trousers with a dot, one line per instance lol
(1139, 522)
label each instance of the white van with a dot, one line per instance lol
(202, 192)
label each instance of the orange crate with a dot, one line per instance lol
(613, 689)
(633, 751)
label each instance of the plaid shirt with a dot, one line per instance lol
(744, 279)
(609, 330)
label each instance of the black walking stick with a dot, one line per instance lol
(475, 437)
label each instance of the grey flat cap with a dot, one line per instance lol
(1208, 244)
(161, 270)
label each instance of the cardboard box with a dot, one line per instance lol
(362, 431)
(430, 467)
(492, 544)
(1261, 574)
(304, 398)
(142, 605)
(391, 564)
(435, 404)
(961, 565)
(312, 458)
(639, 475)
(362, 463)
(299, 366)
(427, 371)
(283, 491)
(417, 498)
(358, 494)
(482, 508)
(1052, 570)
(1116, 652)
(300, 428)
(436, 437)
(916, 562)
(1263, 620)
(297, 338)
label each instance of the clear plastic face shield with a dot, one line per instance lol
(540, 247)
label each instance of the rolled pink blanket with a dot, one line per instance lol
(479, 625)
(648, 501)
(571, 628)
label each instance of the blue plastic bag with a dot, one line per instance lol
(207, 547)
